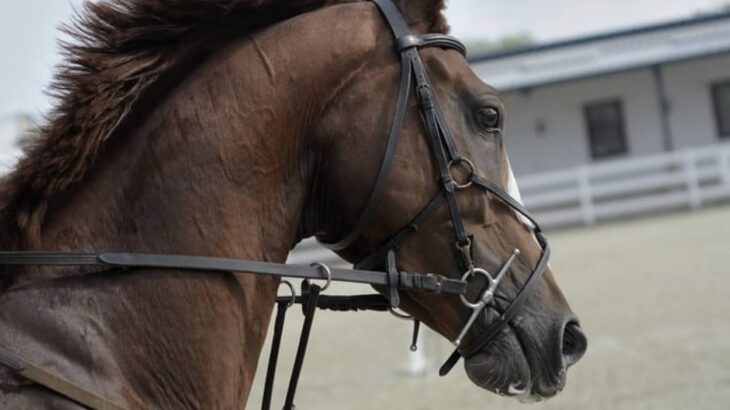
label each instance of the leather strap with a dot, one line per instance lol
(56, 383)
(374, 303)
(369, 210)
(394, 17)
(282, 307)
(505, 197)
(438, 140)
(203, 264)
(430, 40)
(377, 257)
(310, 309)
(407, 45)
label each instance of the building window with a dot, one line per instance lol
(721, 100)
(606, 128)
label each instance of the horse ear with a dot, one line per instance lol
(425, 15)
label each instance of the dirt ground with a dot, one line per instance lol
(653, 296)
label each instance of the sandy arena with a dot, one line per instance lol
(653, 296)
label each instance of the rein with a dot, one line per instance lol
(447, 157)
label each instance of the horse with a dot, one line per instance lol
(237, 128)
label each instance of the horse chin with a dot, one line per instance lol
(504, 369)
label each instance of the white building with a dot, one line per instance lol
(620, 95)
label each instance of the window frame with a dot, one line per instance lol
(715, 88)
(618, 104)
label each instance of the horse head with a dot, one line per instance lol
(417, 164)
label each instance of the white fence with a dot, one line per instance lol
(611, 190)
(622, 188)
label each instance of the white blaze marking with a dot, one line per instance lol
(512, 187)
(514, 191)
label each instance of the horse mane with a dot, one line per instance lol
(119, 49)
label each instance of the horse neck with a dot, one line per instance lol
(201, 174)
(222, 164)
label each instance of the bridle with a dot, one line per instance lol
(447, 158)
(446, 155)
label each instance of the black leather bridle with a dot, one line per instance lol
(446, 155)
(414, 76)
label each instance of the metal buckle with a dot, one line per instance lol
(466, 253)
(469, 167)
(439, 283)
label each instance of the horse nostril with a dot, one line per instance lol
(575, 343)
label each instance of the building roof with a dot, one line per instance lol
(608, 53)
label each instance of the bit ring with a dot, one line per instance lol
(479, 304)
(469, 167)
(327, 271)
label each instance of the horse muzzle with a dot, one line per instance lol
(528, 363)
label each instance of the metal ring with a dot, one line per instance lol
(399, 315)
(470, 167)
(293, 292)
(327, 271)
(467, 275)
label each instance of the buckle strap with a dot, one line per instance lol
(430, 283)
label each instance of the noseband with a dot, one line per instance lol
(446, 156)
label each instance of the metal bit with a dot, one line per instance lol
(487, 297)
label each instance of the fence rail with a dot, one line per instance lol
(685, 179)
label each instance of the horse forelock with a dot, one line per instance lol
(120, 48)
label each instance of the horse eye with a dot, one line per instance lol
(488, 118)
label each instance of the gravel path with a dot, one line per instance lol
(653, 296)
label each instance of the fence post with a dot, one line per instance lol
(723, 161)
(693, 183)
(586, 196)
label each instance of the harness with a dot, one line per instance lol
(414, 80)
